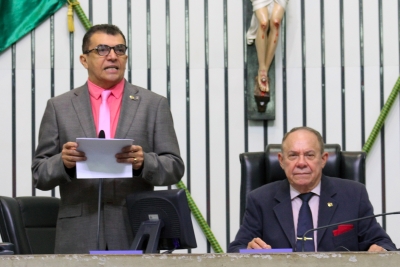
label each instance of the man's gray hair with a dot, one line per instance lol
(317, 134)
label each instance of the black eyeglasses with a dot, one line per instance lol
(104, 50)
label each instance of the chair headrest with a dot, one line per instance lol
(274, 172)
(39, 211)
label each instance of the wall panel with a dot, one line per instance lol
(352, 83)
(235, 34)
(178, 108)
(294, 65)
(313, 98)
(312, 36)
(353, 108)
(294, 97)
(119, 16)
(313, 62)
(256, 136)
(198, 149)
(196, 28)
(217, 125)
(177, 29)
(158, 35)
(236, 145)
(138, 50)
(217, 155)
(23, 112)
(100, 11)
(6, 109)
(333, 106)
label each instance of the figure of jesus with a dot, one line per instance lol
(264, 29)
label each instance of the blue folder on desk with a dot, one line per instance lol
(115, 252)
(272, 250)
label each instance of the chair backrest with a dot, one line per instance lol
(259, 168)
(29, 223)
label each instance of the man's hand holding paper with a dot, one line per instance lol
(101, 159)
(70, 155)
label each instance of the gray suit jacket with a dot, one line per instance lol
(145, 117)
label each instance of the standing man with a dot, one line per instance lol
(135, 113)
(276, 218)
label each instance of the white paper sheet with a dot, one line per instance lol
(101, 161)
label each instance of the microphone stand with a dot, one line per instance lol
(334, 224)
(101, 135)
(99, 212)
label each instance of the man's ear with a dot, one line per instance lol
(280, 158)
(83, 59)
(324, 158)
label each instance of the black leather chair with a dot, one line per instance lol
(259, 168)
(29, 223)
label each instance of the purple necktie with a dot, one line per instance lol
(104, 114)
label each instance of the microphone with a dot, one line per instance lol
(344, 222)
(101, 135)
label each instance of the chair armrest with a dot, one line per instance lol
(7, 249)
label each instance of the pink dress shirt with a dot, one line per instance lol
(114, 102)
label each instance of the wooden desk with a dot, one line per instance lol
(188, 260)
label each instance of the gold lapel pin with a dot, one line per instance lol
(134, 97)
(330, 204)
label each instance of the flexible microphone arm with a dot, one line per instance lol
(101, 135)
(349, 221)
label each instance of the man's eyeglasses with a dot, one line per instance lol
(104, 50)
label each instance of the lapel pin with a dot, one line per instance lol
(134, 97)
(330, 204)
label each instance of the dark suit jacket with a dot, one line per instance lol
(145, 117)
(269, 216)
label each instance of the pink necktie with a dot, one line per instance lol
(104, 114)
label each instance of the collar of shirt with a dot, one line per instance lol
(95, 90)
(114, 102)
(294, 193)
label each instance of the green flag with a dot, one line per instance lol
(19, 17)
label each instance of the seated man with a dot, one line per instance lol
(276, 217)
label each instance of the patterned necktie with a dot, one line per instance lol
(104, 114)
(304, 224)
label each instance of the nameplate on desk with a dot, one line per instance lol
(272, 250)
(116, 252)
